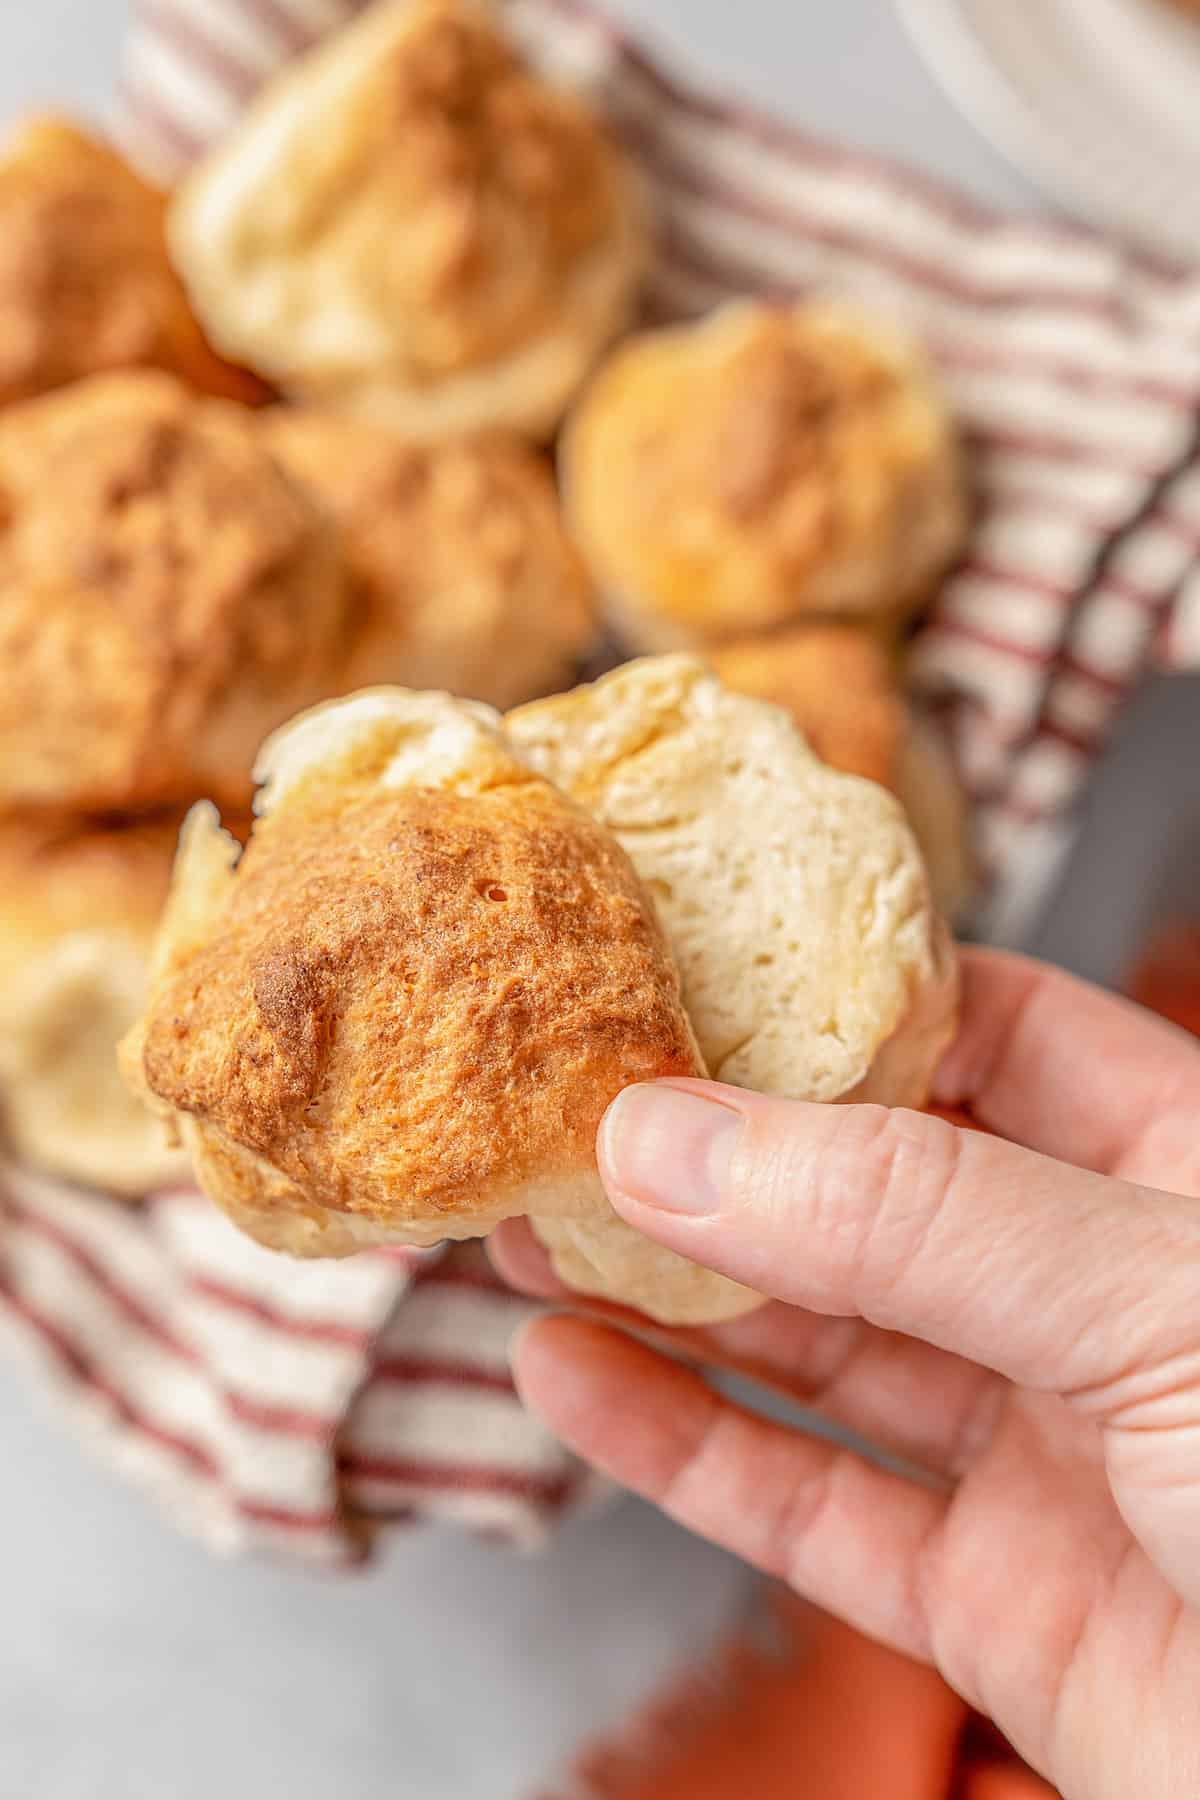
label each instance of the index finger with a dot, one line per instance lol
(1059, 1066)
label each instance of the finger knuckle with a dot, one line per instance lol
(884, 1189)
(688, 1480)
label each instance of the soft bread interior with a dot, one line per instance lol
(66, 1109)
(794, 897)
(79, 904)
(795, 900)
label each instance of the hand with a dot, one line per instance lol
(1023, 1323)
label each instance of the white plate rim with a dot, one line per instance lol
(961, 62)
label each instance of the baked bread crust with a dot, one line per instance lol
(838, 684)
(410, 225)
(167, 597)
(86, 285)
(765, 465)
(402, 1013)
(458, 553)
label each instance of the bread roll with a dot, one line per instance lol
(402, 1013)
(167, 597)
(467, 577)
(79, 906)
(841, 687)
(85, 282)
(761, 467)
(411, 226)
(794, 898)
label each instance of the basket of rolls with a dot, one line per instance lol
(518, 578)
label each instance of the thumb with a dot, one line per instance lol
(1058, 1278)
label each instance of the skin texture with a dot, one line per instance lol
(1017, 1319)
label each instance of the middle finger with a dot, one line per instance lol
(909, 1399)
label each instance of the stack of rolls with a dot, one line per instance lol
(165, 595)
(186, 561)
(281, 460)
(95, 331)
(410, 228)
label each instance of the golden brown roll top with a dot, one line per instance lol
(411, 225)
(167, 596)
(457, 551)
(86, 285)
(763, 466)
(403, 1012)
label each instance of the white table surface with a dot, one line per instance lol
(134, 1668)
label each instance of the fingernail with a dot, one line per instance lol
(668, 1147)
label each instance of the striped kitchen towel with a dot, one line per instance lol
(269, 1405)
(296, 1408)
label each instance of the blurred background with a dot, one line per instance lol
(131, 1664)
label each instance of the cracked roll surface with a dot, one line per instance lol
(401, 1015)
(167, 596)
(85, 281)
(410, 224)
(763, 466)
(79, 905)
(794, 897)
(840, 686)
(458, 552)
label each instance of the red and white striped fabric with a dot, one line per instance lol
(293, 1407)
(268, 1405)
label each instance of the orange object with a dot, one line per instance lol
(816, 1709)
(1166, 978)
(1005, 1782)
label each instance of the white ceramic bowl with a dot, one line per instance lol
(1099, 100)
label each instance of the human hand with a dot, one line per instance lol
(1023, 1323)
